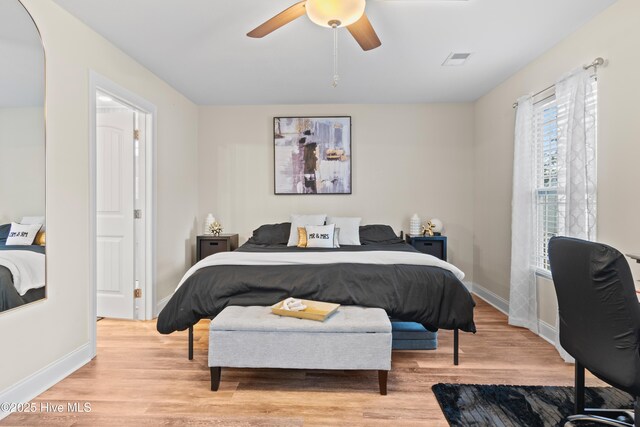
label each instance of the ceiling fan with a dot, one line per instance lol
(327, 13)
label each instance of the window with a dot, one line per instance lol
(546, 170)
(550, 203)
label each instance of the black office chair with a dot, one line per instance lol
(599, 322)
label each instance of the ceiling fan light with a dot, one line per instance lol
(326, 12)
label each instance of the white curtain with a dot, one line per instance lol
(577, 135)
(523, 301)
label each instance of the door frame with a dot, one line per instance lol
(103, 84)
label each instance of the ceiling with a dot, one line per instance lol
(200, 47)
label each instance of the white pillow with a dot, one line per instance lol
(303, 243)
(320, 236)
(27, 220)
(349, 229)
(303, 221)
(22, 234)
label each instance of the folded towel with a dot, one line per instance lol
(292, 304)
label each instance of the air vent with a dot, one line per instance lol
(456, 59)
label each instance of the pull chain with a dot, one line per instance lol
(336, 76)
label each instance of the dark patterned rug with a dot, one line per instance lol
(518, 406)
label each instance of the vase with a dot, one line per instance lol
(414, 225)
(207, 223)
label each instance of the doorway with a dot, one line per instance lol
(122, 201)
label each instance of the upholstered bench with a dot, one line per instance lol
(253, 337)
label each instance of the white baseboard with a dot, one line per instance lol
(161, 304)
(547, 332)
(493, 299)
(38, 382)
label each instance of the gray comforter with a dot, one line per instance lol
(428, 295)
(9, 297)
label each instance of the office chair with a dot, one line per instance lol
(599, 322)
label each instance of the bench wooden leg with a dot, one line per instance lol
(215, 377)
(191, 342)
(382, 380)
(456, 346)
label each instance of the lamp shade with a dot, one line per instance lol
(346, 12)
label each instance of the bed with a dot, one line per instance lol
(22, 272)
(383, 272)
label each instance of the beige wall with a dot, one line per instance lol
(406, 159)
(22, 163)
(614, 35)
(41, 333)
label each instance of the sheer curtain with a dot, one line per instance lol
(523, 302)
(576, 96)
(577, 135)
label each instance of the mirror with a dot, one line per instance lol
(22, 159)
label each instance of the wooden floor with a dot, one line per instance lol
(142, 378)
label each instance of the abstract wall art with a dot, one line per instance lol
(312, 155)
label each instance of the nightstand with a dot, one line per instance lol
(436, 245)
(209, 244)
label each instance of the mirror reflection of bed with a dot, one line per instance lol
(22, 153)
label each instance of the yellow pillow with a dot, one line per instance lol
(302, 237)
(40, 238)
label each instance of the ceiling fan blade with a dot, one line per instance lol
(364, 33)
(281, 19)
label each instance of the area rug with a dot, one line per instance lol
(518, 406)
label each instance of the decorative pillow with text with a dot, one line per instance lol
(302, 237)
(22, 234)
(321, 236)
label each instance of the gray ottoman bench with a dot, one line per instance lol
(253, 337)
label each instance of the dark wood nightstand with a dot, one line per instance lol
(209, 244)
(436, 245)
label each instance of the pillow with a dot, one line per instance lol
(349, 229)
(22, 234)
(378, 234)
(303, 241)
(271, 234)
(41, 238)
(321, 236)
(28, 220)
(4, 233)
(303, 221)
(302, 237)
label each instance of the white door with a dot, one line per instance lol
(115, 213)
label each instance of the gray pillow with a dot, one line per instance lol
(271, 234)
(378, 234)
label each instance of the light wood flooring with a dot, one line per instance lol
(142, 378)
